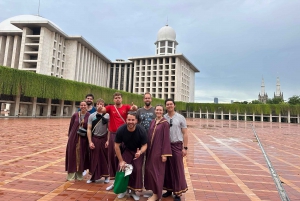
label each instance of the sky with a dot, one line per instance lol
(234, 43)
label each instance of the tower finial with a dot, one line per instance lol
(39, 8)
(167, 21)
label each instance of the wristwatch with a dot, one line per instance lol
(185, 148)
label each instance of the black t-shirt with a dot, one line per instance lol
(131, 140)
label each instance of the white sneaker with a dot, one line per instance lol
(135, 196)
(89, 181)
(147, 195)
(110, 187)
(121, 195)
(84, 173)
(106, 181)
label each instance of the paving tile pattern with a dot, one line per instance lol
(224, 162)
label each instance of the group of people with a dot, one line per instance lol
(154, 143)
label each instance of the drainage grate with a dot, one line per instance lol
(282, 193)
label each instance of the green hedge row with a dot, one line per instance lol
(13, 82)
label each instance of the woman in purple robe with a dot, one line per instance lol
(77, 147)
(159, 148)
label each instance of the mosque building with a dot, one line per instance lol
(33, 43)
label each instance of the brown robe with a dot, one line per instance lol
(174, 176)
(77, 157)
(158, 145)
(113, 161)
(99, 158)
(136, 177)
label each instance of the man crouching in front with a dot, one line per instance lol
(133, 138)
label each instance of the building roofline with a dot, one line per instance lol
(83, 41)
(47, 24)
(168, 55)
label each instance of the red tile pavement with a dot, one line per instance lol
(224, 161)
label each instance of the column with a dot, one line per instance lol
(261, 117)
(16, 52)
(271, 117)
(8, 51)
(48, 107)
(289, 116)
(222, 115)
(253, 116)
(34, 101)
(73, 107)
(229, 115)
(201, 114)
(2, 49)
(245, 116)
(61, 108)
(237, 116)
(214, 114)
(17, 105)
(279, 118)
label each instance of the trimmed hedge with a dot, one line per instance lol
(13, 82)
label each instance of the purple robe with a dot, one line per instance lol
(99, 158)
(158, 145)
(113, 161)
(77, 156)
(136, 177)
(174, 176)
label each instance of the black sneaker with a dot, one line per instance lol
(177, 198)
(167, 194)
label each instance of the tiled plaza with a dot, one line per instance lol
(224, 162)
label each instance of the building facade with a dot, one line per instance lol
(33, 43)
(263, 96)
(166, 74)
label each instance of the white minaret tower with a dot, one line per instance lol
(262, 93)
(278, 92)
(166, 41)
(263, 97)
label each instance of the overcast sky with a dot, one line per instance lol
(233, 43)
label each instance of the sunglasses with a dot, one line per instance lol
(171, 122)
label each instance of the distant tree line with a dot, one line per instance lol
(294, 100)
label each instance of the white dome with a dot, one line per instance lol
(166, 33)
(7, 26)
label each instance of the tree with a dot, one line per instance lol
(294, 100)
(275, 100)
(256, 102)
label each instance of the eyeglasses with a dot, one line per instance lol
(171, 122)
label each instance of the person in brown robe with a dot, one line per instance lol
(76, 151)
(175, 176)
(159, 148)
(98, 136)
(134, 138)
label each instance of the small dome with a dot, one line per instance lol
(7, 26)
(166, 33)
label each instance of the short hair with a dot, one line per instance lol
(170, 99)
(117, 94)
(100, 100)
(90, 95)
(133, 113)
(146, 94)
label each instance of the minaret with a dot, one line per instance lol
(278, 93)
(263, 97)
(262, 87)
